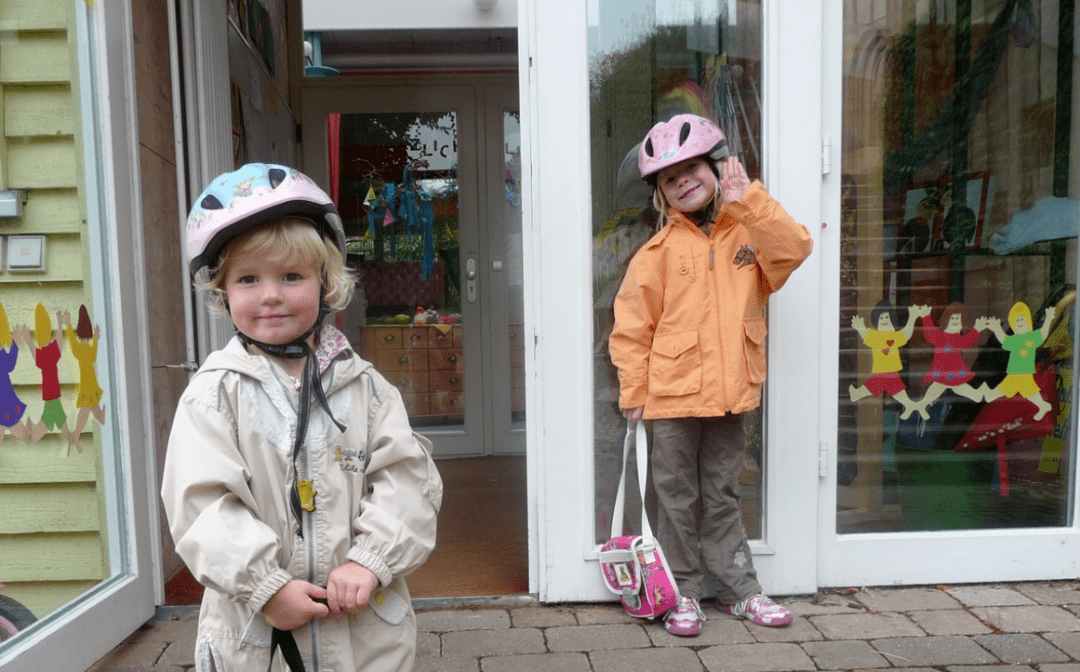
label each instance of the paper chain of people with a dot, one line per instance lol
(45, 345)
(948, 370)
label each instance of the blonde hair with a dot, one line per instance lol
(5, 328)
(42, 326)
(289, 239)
(659, 201)
(1020, 309)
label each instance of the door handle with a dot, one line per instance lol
(470, 280)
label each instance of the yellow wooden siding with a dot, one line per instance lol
(42, 163)
(40, 462)
(51, 557)
(34, 14)
(46, 110)
(35, 58)
(53, 534)
(66, 507)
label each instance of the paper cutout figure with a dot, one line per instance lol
(44, 346)
(11, 407)
(84, 341)
(885, 341)
(1021, 346)
(369, 200)
(948, 370)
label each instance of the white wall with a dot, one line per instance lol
(410, 15)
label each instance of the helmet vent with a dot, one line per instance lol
(649, 148)
(276, 176)
(684, 133)
(210, 202)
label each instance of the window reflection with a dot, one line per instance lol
(958, 266)
(648, 62)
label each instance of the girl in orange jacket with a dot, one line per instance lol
(689, 344)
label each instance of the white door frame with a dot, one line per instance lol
(555, 122)
(907, 558)
(101, 618)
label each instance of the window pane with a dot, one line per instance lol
(958, 266)
(648, 62)
(61, 482)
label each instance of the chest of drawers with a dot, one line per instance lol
(423, 361)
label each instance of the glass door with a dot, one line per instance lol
(77, 501)
(424, 177)
(956, 268)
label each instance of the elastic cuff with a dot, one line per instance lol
(265, 590)
(374, 563)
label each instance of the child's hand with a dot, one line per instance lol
(633, 413)
(733, 180)
(294, 605)
(349, 587)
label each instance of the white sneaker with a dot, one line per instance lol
(759, 609)
(685, 618)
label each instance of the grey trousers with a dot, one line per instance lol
(696, 462)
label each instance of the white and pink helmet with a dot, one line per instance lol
(252, 195)
(682, 137)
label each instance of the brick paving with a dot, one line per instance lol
(1021, 627)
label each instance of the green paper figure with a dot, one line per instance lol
(1021, 346)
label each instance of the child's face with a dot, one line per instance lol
(270, 299)
(689, 185)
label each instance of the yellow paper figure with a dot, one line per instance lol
(885, 341)
(84, 342)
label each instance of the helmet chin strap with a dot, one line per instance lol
(310, 383)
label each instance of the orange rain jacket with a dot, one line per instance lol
(689, 336)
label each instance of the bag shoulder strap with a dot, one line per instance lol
(635, 434)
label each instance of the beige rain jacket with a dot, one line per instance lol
(226, 486)
(689, 336)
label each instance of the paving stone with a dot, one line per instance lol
(988, 596)
(988, 668)
(1069, 642)
(1029, 619)
(604, 614)
(799, 630)
(428, 645)
(864, 626)
(448, 620)
(503, 642)
(181, 652)
(541, 662)
(825, 603)
(916, 651)
(756, 658)
(1059, 593)
(844, 655)
(446, 665)
(718, 629)
(908, 599)
(904, 669)
(597, 638)
(948, 622)
(668, 660)
(1024, 649)
(139, 654)
(1063, 667)
(541, 617)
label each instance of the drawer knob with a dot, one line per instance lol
(403, 360)
(388, 338)
(453, 380)
(453, 358)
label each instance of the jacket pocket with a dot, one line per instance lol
(754, 345)
(389, 605)
(675, 365)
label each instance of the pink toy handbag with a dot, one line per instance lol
(633, 565)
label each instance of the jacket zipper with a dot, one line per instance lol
(306, 526)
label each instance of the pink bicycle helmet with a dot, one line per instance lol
(683, 137)
(255, 194)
